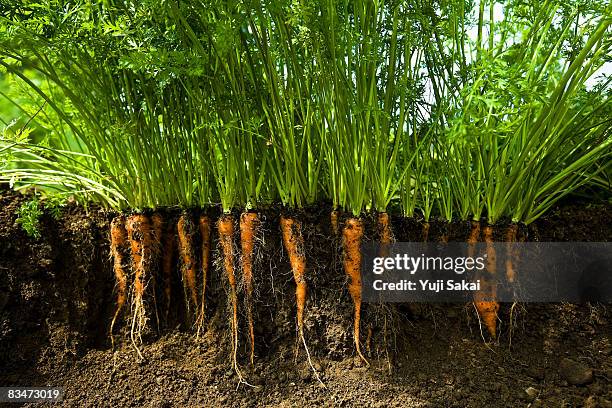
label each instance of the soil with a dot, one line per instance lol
(57, 300)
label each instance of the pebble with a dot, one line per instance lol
(575, 372)
(531, 393)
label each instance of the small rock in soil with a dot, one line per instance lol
(531, 393)
(575, 372)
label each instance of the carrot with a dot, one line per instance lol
(294, 244)
(248, 225)
(425, 232)
(225, 226)
(488, 309)
(139, 235)
(118, 240)
(186, 231)
(169, 246)
(352, 234)
(335, 214)
(444, 236)
(205, 234)
(385, 234)
(510, 239)
(473, 238)
(157, 222)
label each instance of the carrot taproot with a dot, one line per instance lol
(334, 217)
(139, 235)
(473, 237)
(157, 224)
(425, 231)
(248, 226)
(293, 241)
(384, 231)
(294, 244)
(511, 233)
(169, 247)
(225, 226)
(352, 234)
(186, 232)
(488, 309)
(204, 224)
(118, 240)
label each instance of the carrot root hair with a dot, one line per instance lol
(352, 234)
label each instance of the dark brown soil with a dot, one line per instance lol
(56, 303)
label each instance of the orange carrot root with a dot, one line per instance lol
(118, 240)
(157, 224)
(225, 226)
(385, 234)
(205, 234)
(510, 239)
(167, 258)
(488, 309)
(248, 225)
(294, 244)
(139, 235)
(352, 234)
(186, 231)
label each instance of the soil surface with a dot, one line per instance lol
(57, 300)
